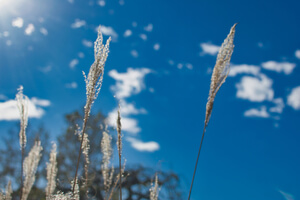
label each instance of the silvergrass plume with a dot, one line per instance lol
(8, 191)
(30, 166)
(22, 103)
(218, 77)
(69, 195)
(154, 190)
(93, 84)
(119, 144)
(51, 172)
(106, 150)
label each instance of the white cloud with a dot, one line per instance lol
(285, 67)
(130, 82)
(127, 33)
(293, 99)
(109, 31)
(156, 46)
(255, 89)
(71, 1)
(297, 53)
(73, 63)
(279, 105)
(287, 196)
(148, 28)
(44, 31)
(261, 112)
(18, 22)
(134, 53)
(78, 23)
(128, 124)
(143, 36)
(208, 48)
(30, 29)
(143, 146)
(72, 85)
(243, 69)
(87, 43)
(9, 110)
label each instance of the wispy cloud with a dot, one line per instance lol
(285, 67)
(260, 112)
(87, 43)
(72, 85)
(149, 27)
(128, 83)
(143, 146)
(127, 33)
(256, 89)
(44, 31)
(30, 29)
(78, 23)
(297, 53)
(279, 106)
(17, 22)
(156, 46)
(243, 69)
(293, 98)
(9, 110)
(143, 36)
(287, 196)
(134, 53)
(73, 63)
(46, 69)
(210, 49)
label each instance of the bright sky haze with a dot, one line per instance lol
(159, 67)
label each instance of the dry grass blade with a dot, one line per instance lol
(218, 77)
(93, 85)
(8, 191)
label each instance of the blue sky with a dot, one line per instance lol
(160, 63)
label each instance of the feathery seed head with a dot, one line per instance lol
(106, 150)
(8, 191)
(220, 71)
(30, 166)
(51, 172)
(95, 76)
(22, 103)
(154, 190)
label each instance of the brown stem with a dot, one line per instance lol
(197, 162)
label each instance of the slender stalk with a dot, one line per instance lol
(119, 129)
(22, 160)
(80, 151)
(197, 162)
